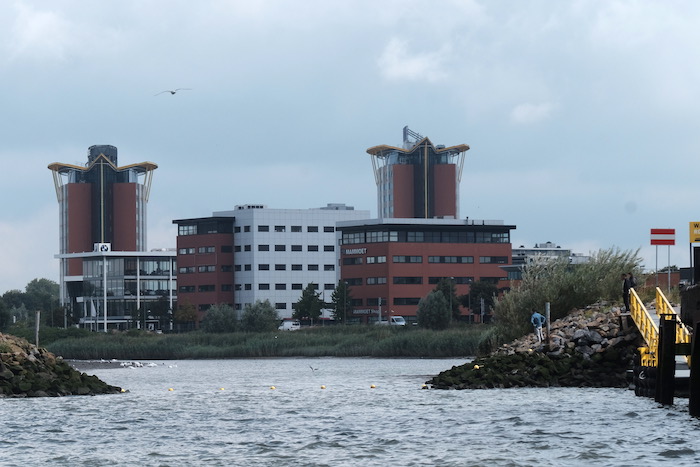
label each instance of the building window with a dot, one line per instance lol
(329, 229)
(297, 287)
(226, 268)
(312, 248)
(187, 230)
(280, 228)
(493, 259)
(296, 247)
(406, 301)
(263, 228)
(263, 286)
(186, 289)
(407, 259)
(263, 247)
(237, 267)
(329, 267)
(237, 248)
(280, 247)
(411, 280)
(280, 267)
(280, 286)
(246, 228)
(352, 261)
(237, 229)
(376, 259)
(451, 259)
(455, 280)
(247, 287)
(186, 270)
(226, 249)
(246, 248)
(328, 247)
(206, 268)
(492, 280)
(280, 306)
(263, 267)
(297, 267)
(376, 280)
(206, 249)
(375, 301)
(185, 251)
(247, 267)
(312, 228)
(229, 287)
(328, 286)
(206, 288)
(356, 302)
(312, 267)
(296, 228)
(354, 281)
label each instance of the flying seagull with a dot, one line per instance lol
(173, 91)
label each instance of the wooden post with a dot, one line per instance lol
(36, 327)
(547, 315)
(666, 371)
(694, 399)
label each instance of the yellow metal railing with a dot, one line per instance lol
(648, 328)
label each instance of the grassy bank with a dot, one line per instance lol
(337, 341)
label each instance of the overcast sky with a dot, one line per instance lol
(582, 116)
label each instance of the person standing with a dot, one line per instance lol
(537, 321)
(626, 291)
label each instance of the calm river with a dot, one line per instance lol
(225, 412)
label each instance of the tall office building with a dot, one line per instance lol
(418, 180)
(104, 268)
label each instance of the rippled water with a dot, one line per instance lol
(224, 412)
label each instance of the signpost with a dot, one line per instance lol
(663, 237)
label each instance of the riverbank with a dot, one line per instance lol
(335, 341)
(593, 347)
(30, 371)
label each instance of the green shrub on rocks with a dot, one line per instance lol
(29, 371)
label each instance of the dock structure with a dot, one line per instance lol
(665, 367)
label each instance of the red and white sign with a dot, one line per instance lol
(663, 236)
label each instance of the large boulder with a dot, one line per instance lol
(588, 348)
(30, 371)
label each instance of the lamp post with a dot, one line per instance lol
(452, 281)
(345, 303)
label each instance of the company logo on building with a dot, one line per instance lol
(355, 251)
(103, 247)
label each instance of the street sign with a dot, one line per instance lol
(663, 236)
(695, 232)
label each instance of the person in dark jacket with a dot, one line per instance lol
(626, 291)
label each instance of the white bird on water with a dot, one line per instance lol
(173, 91)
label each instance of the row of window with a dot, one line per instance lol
(383, 236)
(283, 228)
(357, 281)
(292, 248)
(262, 286)
(353, 260)
(204, 250)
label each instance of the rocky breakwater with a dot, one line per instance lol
(593, 347)
(30, 371)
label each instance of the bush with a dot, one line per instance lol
(259, 317)
(433, 311)
(220, 318)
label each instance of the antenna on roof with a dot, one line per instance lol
(410, 137)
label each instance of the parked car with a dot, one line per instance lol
(290, 325)
(393, 321)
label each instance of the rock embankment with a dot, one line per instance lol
(30, 371)
(588, 348)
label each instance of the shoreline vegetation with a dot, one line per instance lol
(331, 341)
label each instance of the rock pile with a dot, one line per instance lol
(30, 371)
(588, 348)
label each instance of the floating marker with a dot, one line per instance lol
(221, 389)
(123, 390)
(425, 386)
(323, 386)
(272, 387)
(170, 389)
(372, 386)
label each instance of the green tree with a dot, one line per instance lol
(309, 305)
(259, 317)
(5, 317)
(446, 286)
(220, 318)
(13, 298)
(340, 302)
(434, 311)
(565, 286)
(481, 290)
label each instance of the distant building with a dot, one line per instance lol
(418, 180)
(390, 264)
(257, 253)
(548, 250)
(102, 218)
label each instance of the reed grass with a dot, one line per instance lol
(337, 341)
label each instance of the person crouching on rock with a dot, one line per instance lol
(537, 321)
